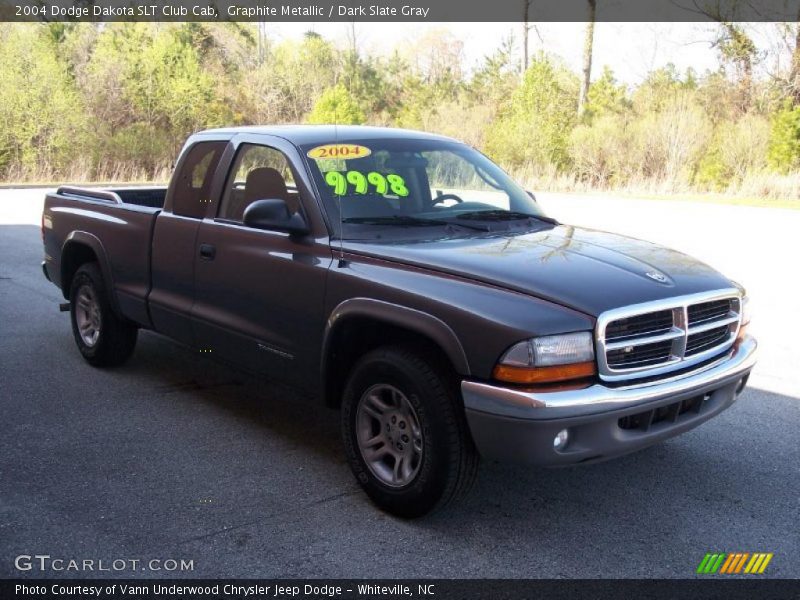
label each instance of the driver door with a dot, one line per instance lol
(259, 294)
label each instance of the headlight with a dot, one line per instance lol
(548, 359)
(746, 314)
(746, 311)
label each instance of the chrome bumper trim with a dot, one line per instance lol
(599, 398)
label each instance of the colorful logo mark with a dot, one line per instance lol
(730, 563)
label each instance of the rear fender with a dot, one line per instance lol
(82, 238)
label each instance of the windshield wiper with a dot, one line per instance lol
(502, 215)
(402, 220)
(408, 221)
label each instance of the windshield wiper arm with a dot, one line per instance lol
(408, 221)
(503, 215)
(391, 220)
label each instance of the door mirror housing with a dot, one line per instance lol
(273, 214)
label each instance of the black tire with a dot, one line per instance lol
(116, 338)
(449, 460)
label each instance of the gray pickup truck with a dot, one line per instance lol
(406, 279)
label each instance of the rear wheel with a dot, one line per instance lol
(102, 337)
(404, 432)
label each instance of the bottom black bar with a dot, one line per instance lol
(432, 589)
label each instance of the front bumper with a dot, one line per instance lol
(603, 422)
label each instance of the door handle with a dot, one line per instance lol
(208, 251)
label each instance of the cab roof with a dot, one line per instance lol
(324, 134)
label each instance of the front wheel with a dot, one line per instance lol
(405, 434)
(102, 337)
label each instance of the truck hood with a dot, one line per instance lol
(588, 270)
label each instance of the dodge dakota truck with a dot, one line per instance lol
(405, 279)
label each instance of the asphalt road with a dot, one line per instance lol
(175, 457)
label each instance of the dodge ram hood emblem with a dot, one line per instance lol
(657, 276)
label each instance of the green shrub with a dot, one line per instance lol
(737, 150)
(712, 173)
(534, 129)
(606, 96)
(784, 143)
(599, 151)
(41, 117)
(336, 105)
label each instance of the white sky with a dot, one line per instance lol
(631, 49)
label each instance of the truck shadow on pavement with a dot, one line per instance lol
(706, 471)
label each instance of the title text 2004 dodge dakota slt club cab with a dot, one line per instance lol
(408, 280)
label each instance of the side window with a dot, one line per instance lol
(193, 183)
(258, 173)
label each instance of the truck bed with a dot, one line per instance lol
(92, 218)
(151, 197)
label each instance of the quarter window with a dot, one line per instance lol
(193, 183)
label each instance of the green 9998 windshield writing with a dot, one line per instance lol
(349, 182)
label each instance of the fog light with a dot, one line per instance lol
(561, 439)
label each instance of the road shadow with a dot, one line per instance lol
(710, 488)
(701, 466)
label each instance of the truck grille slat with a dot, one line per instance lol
(647, 353)
(709, 311)
(639, 326)
(698, 342)
(659, 337)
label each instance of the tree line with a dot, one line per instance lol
(115, 102)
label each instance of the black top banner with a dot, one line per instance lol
(399, 10)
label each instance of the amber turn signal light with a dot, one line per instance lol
(742, 333)
(544, 374)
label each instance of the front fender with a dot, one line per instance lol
(401, 316)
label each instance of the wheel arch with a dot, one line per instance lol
(358, 325)
(79, 248)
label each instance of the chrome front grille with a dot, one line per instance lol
(631, 327)
(648, 339)
(709, 311)
(698, 342)
(641, 355)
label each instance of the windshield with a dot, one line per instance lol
(405, 183)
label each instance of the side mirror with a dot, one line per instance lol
(274, 214)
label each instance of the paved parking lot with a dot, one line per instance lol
(175, 457)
